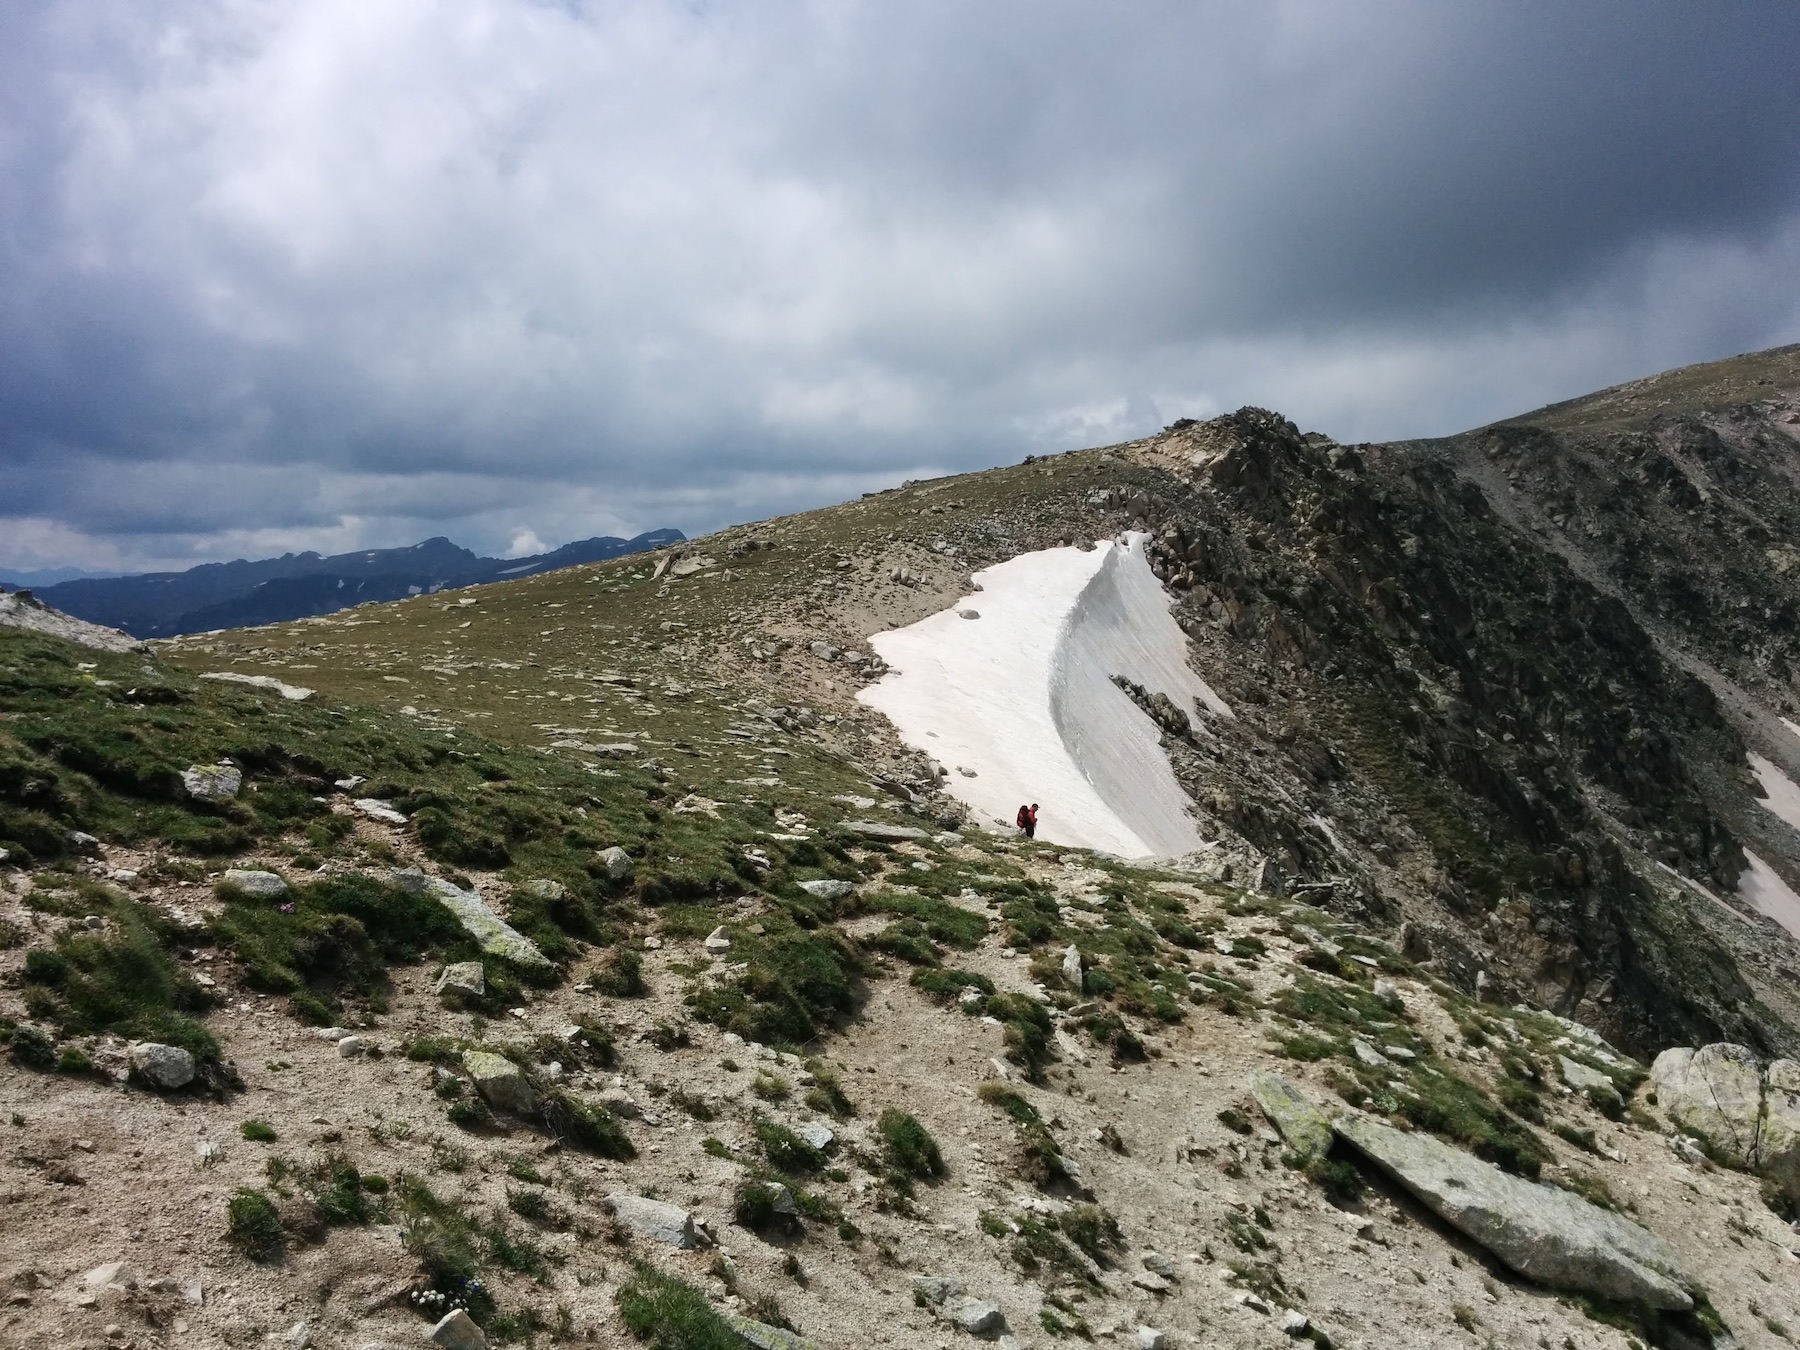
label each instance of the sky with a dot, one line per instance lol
(337, 275)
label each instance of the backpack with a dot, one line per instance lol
(1024, 817)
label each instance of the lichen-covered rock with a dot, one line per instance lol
(212, 782)
(1715, 1091)
(1546, 1234)
(495, 936)
(616, 863)
(253, 884)
(762, 1336)
(501, 1083)
(462, 979)
(1303, 1126)
(1780, 1142)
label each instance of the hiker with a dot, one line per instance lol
(1027, 820)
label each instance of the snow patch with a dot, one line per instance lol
(1780, 793)
(1024, 696)
(1791, 726)
(1769, 894)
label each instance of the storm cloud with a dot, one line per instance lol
(341, 274)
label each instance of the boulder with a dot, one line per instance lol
(654, 1219)
(212, 782)
(457, 1331)
(819, 1136)
(762, 1336)
(163, 1067)
(976, 1316)
(827, 889)
(615, 863)
(253, 885)
(1548, 1235)
(376, 809)
(1716, 1092)
(1583, 1079)
(494, 935)
(1303, 1126)
(883, 832)
(501, 1083)
(1780, 1141)
(1071, 967)
(465, 979)
(718, 941)
(1387, 994)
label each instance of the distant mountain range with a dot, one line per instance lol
(243, 594)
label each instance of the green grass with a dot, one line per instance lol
(910, 1148)
(257, 1131)
(667, 1313)
(253, 1226)
(121, 979)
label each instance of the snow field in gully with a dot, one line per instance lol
(1022, 695)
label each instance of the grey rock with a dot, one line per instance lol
(620, 1102)
(457, 1331)
(294, 693)
(1158, 1264)
(1151, 1283)
(164, 1067)
(113, 1275)
(976, 1316)
(352, 1046)
(494, 935)
(1071, 966)
(376, 809)
(1368, 1054)
(762, 1336)
(212, 782)
(819, 1136)
(616, 863)
(1779, 1144)
(827, 889)
(1546, 1234)
(884, 832)
(22, 609)
(465, 979)
(654, 1219)
(1303, 1126)
(1295, 1323)
(1715, 1091)
(1152, 1338)
(500, 1082)
(299, 1336)
(936, 1290)
(253, 884)
(1583, 1079)
(542, 888)
(207, 1152)
(1387, 993)
(717, 941)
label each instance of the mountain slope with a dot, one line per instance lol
(220, 595)
(1481, 837)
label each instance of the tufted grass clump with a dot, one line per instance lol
(253, 1226)
(909, 1145)
(667, 1313)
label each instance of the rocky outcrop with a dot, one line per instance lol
(1546, 1234)
(212, 782)
(22, 609)
(1749, 1115)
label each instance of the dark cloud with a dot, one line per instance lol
(336, 274)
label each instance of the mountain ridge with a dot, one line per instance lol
(244, 593)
